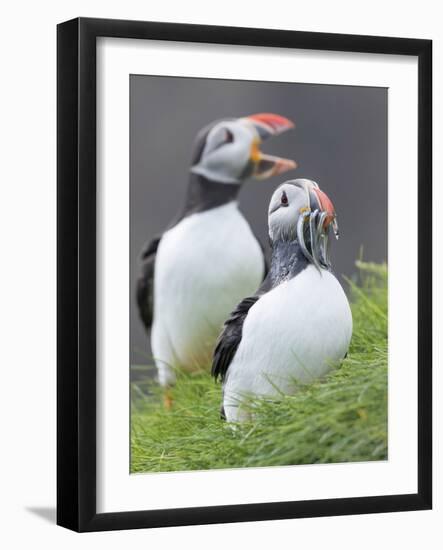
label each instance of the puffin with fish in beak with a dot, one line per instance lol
(208, 258)
(299, 324)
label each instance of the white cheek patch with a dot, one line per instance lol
(226, 163)
(283, 222)
(226, 153)
(216, 138)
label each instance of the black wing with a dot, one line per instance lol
(145, 283)
(230, 338)
(231, 335)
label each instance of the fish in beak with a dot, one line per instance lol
(314, 224)
(268, 125)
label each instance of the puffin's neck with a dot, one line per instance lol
(204, 194)
(287, 261)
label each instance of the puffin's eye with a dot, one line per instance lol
(222, 137)
(229, 137)
(284, 199)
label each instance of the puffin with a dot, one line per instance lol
(208, 258)
(298, 325)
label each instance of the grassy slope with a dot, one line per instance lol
(338, 419)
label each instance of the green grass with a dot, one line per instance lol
(341, 418)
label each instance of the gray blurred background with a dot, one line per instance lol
(340, 141)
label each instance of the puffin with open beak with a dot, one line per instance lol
(208, 258)
(299, 324)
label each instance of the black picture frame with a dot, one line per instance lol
(76, 277)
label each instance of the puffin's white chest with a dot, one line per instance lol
(204, 266)
(294, 333)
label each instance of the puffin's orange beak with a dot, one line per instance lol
(266, 166)
(268, 125)
(326, 206)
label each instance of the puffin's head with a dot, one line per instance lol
(300, 210)
(228, 150)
